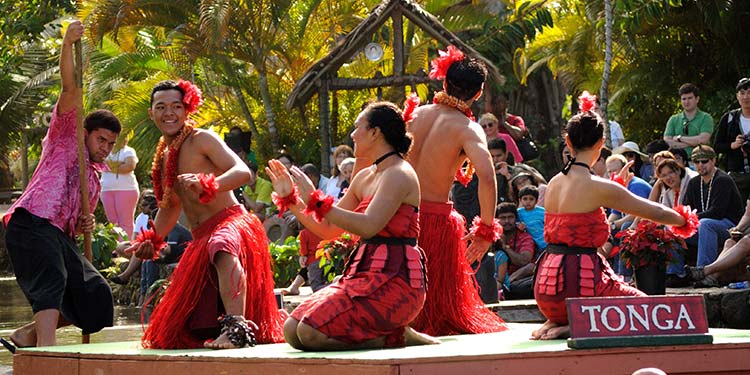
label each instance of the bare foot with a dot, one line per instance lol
(290, 291)
(412, 338)
(24, 337)
(221, 342)
(559, 332)
(538, 333)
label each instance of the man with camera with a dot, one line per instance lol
(733, 139)
(691, 127)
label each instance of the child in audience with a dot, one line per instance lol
(531, 215)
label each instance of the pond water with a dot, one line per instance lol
(15, 312)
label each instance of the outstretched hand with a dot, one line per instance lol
(280, 178)
(626, 174)
(143, 250)
(303, 182)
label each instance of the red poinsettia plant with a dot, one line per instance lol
(334, 253)
(648, 244)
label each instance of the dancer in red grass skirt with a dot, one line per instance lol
(575, 226)
(383, 287)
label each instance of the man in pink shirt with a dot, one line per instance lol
(60, 284)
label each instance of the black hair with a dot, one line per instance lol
(505, 208)
(253, 167)
(681, 153)
(310, 169)
(464, 78)
(102, 119)
(164, 86)
(688, 88)
(497, 144)
(388, 117)
(529, 190)
(584, 130)
(657, 145)
(604, 153)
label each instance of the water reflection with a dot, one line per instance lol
(15, 312)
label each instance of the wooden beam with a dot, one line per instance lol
(371, 83)
(324, 127)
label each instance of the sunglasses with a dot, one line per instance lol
(485, 126)
(685, 124)
(700, 161)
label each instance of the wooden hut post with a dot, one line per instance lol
(398, 46)
(325, 133)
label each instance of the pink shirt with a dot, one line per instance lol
(54, 191)
(510, 146)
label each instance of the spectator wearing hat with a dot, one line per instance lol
(691, 127)
(632, 152)
(732, 138)
(716, 198)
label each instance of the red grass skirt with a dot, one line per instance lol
(171, 321)
(574, 274)
(453, 305)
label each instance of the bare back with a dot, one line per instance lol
(440, 135)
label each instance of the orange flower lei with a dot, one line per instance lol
(163, 189)
(462, 176)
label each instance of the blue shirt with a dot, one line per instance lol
(638, 187)
(534, 220)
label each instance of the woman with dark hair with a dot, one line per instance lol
(575, 227)
(383, 287)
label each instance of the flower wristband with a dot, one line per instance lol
(490, 233)
(283, 203)
(157, 241)
(319, 205)
(691, 222)
(210, 187)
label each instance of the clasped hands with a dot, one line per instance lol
(284, 180)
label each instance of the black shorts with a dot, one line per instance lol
(53, 274)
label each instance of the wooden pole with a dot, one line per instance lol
(82, 169)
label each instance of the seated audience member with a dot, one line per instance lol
(681, 155)
(313, 173)
(333, 187)
(716, 198)
(257, 194)
(346, 167)
(177, 241)
(515, 250)
(523, 179)
(147, 204)
(600, 167)
(531, 216)
(632, 152)
(732, 263)
(653, 148)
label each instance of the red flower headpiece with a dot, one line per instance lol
(444, 61)
(586, 101)
(192, 98)
(411, 103)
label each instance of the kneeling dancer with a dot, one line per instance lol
(383, 287)
(574, 228)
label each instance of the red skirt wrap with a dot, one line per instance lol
(381, 292)
(193, 290)
(573, 273)
(453, 305)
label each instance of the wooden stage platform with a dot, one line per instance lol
(508, 352)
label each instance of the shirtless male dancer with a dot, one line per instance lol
(225, 272)
(445, 136)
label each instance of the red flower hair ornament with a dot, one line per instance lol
(440, 64)
(411, 103)
(192, 98)
(586, 102)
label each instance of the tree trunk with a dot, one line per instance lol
(265, 95)
(237, 90)
(604, 90)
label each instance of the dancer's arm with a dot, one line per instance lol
(234, 172)
(475, 148)
(619, 198)
(71, 96)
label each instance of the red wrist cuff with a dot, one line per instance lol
(319, 205)
(691, 222)
(284, 203)
(490, 233)
(210, 187)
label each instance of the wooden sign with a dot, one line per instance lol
(637, 321)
